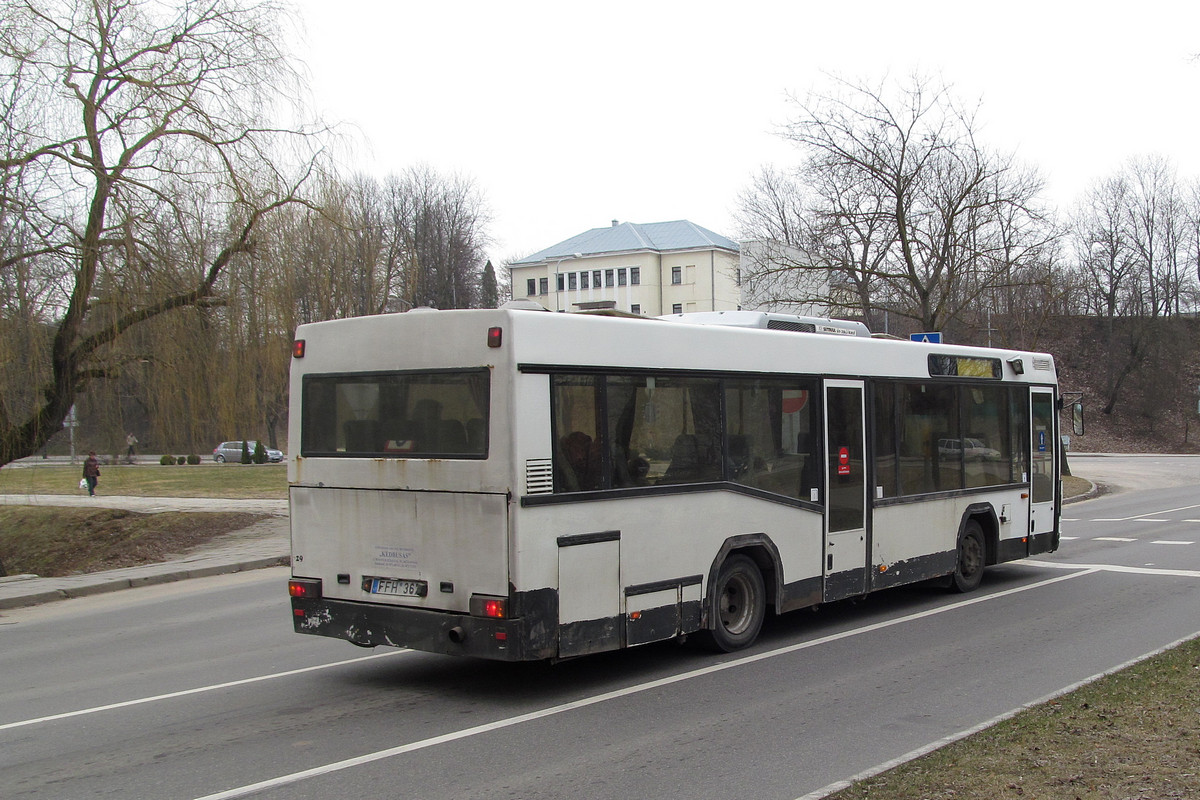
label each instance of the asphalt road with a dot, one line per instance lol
(201, 690)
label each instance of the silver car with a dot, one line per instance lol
(232, 451)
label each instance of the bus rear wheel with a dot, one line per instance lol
(972, 555)
(738, 604)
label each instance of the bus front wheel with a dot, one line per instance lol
(738, 604)
(972, 555)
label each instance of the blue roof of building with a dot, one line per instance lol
(632, 237)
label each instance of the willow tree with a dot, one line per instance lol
(138, 163)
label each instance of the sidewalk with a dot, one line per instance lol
(265, 544)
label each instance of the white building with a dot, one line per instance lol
(651, 269)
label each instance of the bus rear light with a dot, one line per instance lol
(494, 607)
(495, 337)
(298, 348)
(305, 588)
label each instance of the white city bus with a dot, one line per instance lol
(518, 484)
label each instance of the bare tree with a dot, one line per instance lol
(905, 205)
(442, 224)
(137, 166)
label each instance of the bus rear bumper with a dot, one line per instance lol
(371, 625)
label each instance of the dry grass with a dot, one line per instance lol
(56, 541)
(1133, 735)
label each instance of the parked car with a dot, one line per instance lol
(232, 451)
(971, 449)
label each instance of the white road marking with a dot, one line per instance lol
(1171, 541)
(198, 690)
(337, 766)
(1144, 517)
(1112, 539)
(1157, 571)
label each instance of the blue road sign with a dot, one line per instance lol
(930, 338)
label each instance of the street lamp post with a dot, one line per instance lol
(557, 291)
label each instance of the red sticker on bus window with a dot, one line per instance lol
(843, 461)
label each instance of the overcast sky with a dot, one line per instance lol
(569, 115)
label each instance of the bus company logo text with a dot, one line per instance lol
(394, 557)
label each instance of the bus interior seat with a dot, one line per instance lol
(686, 463)
(452, 436)
(426, 425)
(583, 457)
(362, 435)
(476, 435)
(739, 454)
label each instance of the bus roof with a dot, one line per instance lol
(544, 339)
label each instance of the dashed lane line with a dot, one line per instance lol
(198, 690)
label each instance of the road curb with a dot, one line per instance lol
(104, 584)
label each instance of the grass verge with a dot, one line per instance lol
(56, 541)
(1131, 735)
(235, 481)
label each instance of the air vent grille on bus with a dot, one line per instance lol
(539, 476)
(787, 325)
(1042, 364)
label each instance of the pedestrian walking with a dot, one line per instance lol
(91, 472)
(131, 443)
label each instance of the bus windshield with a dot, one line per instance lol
(396, 414)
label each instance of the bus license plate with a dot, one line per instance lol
(398, 587)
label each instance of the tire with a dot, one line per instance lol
(737, 605)
(220, 459)
(972, 556)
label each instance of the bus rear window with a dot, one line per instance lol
(440, 414)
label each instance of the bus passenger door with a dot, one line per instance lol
(845, 566)
(1043, 475)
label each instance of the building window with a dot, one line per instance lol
(543, 286)
(620, 277)
(596, 279)
(636, 308)
(583, 280)
(572, 281)
(608, 277)
(559, 276)
(677, 308)
(635, 276)
(676, 275)
(531, 287)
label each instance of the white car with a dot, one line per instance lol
(970, 449)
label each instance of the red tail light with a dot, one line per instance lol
(495, 337)
(494, 607)
(305, 588)
(298, 348)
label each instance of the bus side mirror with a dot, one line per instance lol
(1077, 418)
